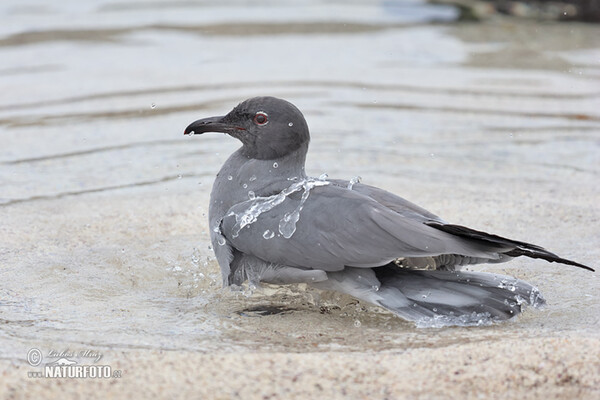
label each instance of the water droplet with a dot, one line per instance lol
(434, 309)
(245, 186)
(229, 178)
(251, 195)
(324, 176)
(179, 176)
(275, 165)
(191, 133)
(287, 225)
(354, 181)
(258, 205)
(122, 250)
(268, 234)
(375, 288)
(153, 106)
(291, 124)
(210, 247)
(221, 240)
(357, 323)
(252, 178)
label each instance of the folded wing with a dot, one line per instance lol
(338, 227)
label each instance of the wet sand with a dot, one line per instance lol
(104, 238)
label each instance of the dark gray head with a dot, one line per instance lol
(268, 127)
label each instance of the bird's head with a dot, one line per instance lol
(269, 128)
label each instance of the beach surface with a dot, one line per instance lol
(105, 257)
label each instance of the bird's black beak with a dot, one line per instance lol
(212, 124)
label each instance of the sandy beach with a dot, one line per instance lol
(105, 257)
(549, 368)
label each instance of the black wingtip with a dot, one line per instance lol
(550, 257)
(521, 248)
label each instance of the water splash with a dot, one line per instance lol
(354, 181)
(473, 319)
(535, 298)
(287, 225)
(508, 284)
(268, 234)
(219, 235)
(258, 205)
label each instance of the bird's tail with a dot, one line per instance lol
(437, 298)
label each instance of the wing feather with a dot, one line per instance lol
(338, 227)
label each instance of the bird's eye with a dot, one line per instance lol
(261, 118)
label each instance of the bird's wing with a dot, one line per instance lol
(338, 227)
(390, 200)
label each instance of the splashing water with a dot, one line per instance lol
(219, 235)
(287, 225)
(354, 181)
(508, 284)
(258, 205)
(473, 319)
(268, 234)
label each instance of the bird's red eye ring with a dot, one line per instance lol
(261, 118)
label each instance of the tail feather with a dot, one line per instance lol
(515, 247)
(465, 297)
(437, 298)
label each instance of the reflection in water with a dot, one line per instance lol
(105, 240)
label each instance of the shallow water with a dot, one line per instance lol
(104, 235)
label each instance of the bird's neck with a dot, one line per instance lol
(288, 167)
(241, 178)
